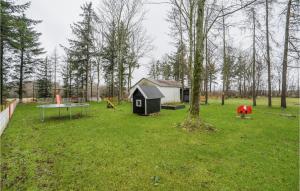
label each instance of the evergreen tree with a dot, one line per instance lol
(44, 79)
(123, 56)
(154, 72)
(166, 68)
(175, 63)
(109, 55)
(212, 74)
(9, 13)
(82, 47)
(27, 50)
(67, 76)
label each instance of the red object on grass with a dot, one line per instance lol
(244, 110)
(58, 99)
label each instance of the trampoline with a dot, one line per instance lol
(68, 106)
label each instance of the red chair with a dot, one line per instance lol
(244, 110)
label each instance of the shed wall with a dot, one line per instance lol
(172, 94)
(153, 106)
(138, 96)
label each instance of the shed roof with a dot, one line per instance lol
(149, 92)
(161, 83)
(165, 83)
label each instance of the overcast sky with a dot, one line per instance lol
(58, 15)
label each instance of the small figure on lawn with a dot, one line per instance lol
(244, 110)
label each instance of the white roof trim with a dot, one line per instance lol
(153, 82)
(140, 89)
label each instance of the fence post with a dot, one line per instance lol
(9, 111)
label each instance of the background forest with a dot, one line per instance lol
(110, 40)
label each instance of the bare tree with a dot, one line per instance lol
(195, 108)
(123, 18)
(285, 56)
(224, 60)
(268, 55)
(254, 58)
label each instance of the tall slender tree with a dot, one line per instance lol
(268, 58)
(82, 47)
(125, 41)
(10, 12)
(44, 79)
(109, 56)
(195, 106)
(254, 58)
(28, 51)
(224, 58)
(285, 55)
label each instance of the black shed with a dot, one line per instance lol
(146, 100)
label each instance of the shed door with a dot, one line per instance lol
(138, 102)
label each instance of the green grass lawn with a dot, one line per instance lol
(117, 150)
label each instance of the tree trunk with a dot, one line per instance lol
(206, 70)
(254, 60)
(86, 80)
(112, 83)
(285, 56)
(21, 76)
(129, 78)
(244, 86)
(210, 82)
(268, 56)
(224, 61)
(120, 65)
(98, 81)
(70, 83)
(181, 53)
(195, 107)
(279, 87)
(55, 65)
(91, 88)
(240, 86)
(191, 39)
(89, 30)
(1, 71)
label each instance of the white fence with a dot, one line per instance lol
(6, 115)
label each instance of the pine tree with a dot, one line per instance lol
(67, 76)
(27, 50)
(154, 71)
(44, 79)
(82, 47)
(123, 56)
(109, 56)
(166, 68)
(9, 11)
